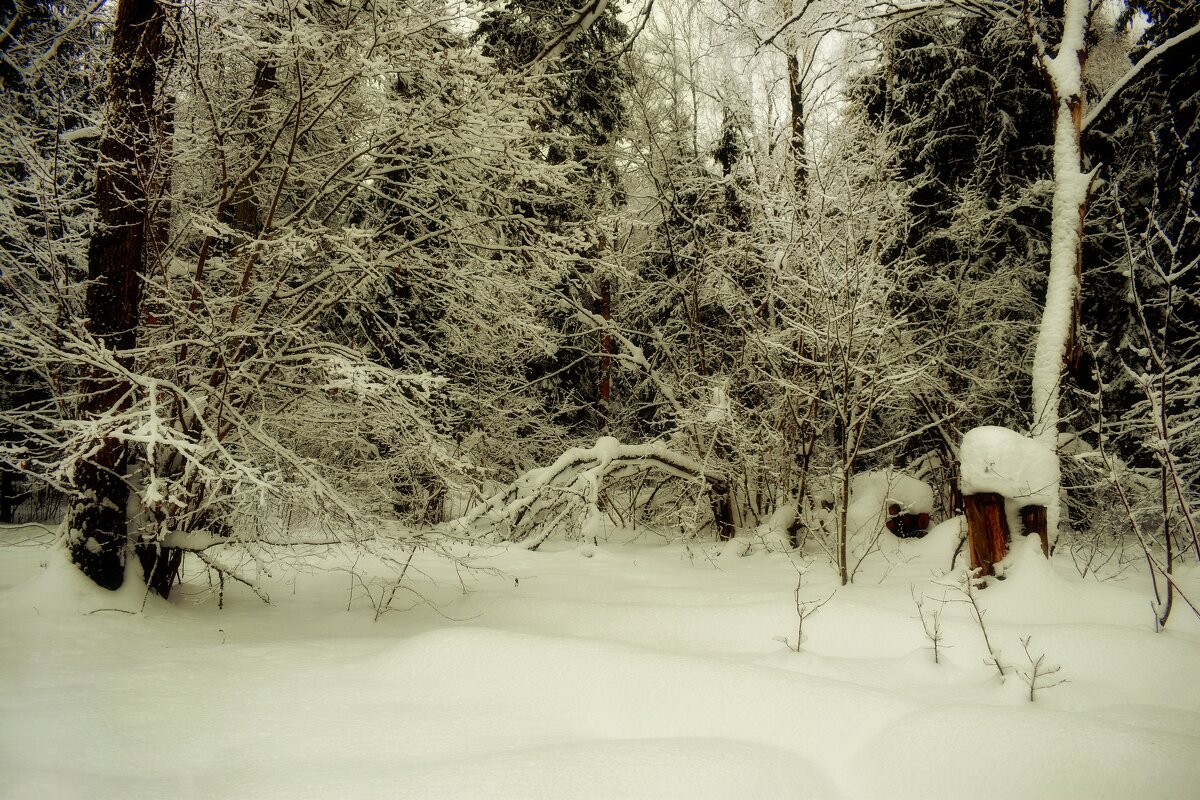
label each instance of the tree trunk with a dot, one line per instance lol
(722, 506)
(116, 251)
(8, 494)
(244, 212)
(160, 566)
(1059, 324)
(796, 140)
(843, 521)
(987, 530)
(1033, 520)
(606, 351)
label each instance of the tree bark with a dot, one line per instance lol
(160, 566)
(9, 498)
(244, 212)
(1060, 316)
(1033, 520)
(796, 140)
(987, 531)
(606, 350)
(843, 561)
(722, 508)
(116, 261)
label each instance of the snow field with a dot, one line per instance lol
(645, 670)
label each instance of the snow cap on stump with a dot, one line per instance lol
(1018, 468)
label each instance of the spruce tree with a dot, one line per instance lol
(964, 107)
(582, 82)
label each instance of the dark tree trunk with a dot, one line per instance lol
(987, 530)
(606, 350)
(8, 494)
(796, 142)
(116, 254)
(1033, 520)
(722, 506)
(244, 212)
(160, 565)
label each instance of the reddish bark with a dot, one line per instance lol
(1033, 520)
(987, 530)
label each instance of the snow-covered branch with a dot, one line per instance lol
(1132, 73)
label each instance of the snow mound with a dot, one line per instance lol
(872, 492)
(959, 748)
(939, 544)
(61, 589)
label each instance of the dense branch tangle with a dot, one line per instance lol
(303, 164)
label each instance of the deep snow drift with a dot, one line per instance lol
(648, 669)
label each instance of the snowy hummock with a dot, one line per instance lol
(1018, 468)
(889, 487)
(872, 492)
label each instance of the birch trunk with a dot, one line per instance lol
(1057, 331)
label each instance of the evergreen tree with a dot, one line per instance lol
(574, 60)
(1142, 300)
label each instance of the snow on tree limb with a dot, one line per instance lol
(1099, 106)
(575, 27)
(576, 478)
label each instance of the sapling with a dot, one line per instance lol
(385, 601)
(932, 622)
(804, 610)
(1038, 672)
(965, 586)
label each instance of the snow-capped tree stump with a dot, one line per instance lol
(1003, 476)
(987, 530)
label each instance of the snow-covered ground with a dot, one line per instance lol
(648, 669)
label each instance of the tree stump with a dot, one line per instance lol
(987, 530)
(1033, 520)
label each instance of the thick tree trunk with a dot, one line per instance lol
(160, 566)
(987, 531)
(116, 252)
(722, 508)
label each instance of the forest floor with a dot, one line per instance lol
(645, 669)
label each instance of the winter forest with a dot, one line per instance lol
(599, 398)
